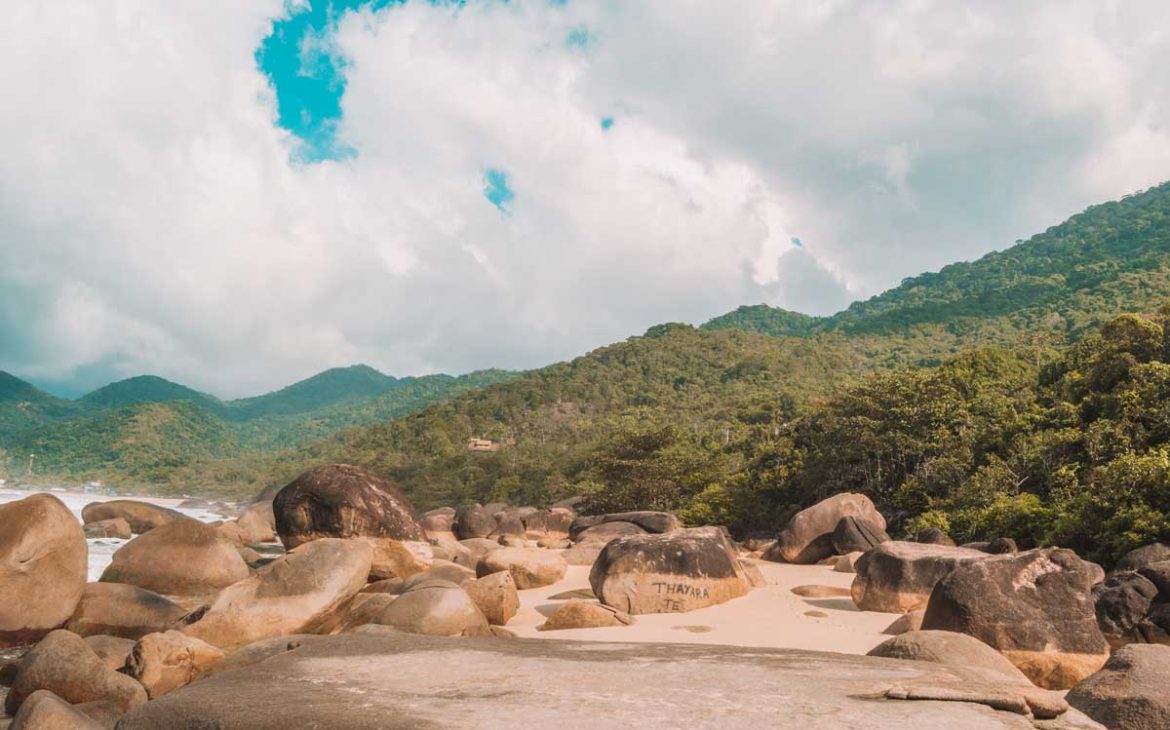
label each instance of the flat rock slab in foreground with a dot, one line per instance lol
(388, 681)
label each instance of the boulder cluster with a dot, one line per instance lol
(1044, 618)
(338, 550)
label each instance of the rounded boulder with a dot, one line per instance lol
(530, 567)
(180, 558)
(348, 502)
(44, 561)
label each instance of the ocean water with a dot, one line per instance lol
(101, 550)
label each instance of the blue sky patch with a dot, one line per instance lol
(496, 190)
(577, 38)
(308, 74)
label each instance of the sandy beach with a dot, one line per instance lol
(769, 616)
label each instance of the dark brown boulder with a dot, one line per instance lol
(118, 609)
(142, 516)
(1159, 575)
(43, 567)
(508, 522)
(857, 534)
(348, 502)
(897, 577)
(66, 666)
(1122, 603)
(1036, 608)
(655, 523)
(1155, 627)
(934, 536)
(181, 558)
(669, 573)
(1141, 557)
(808, 536)
(607, 531)
(998, 546)
(1131, 692)
(473, 521)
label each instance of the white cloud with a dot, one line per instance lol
(151, 220)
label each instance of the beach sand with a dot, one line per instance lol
(769, 616)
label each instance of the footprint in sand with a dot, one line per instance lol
(694, 629)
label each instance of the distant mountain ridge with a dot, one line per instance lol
(1111, 259)
(145, 425)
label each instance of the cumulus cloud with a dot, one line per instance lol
(154, 216)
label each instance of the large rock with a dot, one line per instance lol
(971, 654)
(142, 516)
(112, 650)
(670, 573)
(1159, 575)
(808, 536)
(66, 666)
(897, 577)
(181, 558)
(117, 528)
(127, 611)
(1036, 608)
(1122, 603)
(496, 596)
(165, 661)
(473, 520)
(857, 534)
(584, 553)
(933, 536)
(433, 607)
(342, 501)
(655, 523)
(607, 531)
(1131, 692)
(439, 522)
(44, 560)
(257, 523)
(286, 595)
(583, 615)
(1143, 556)
(558, 521)
(948, 647)
(365, 681)
(530, 567)
(44, 710)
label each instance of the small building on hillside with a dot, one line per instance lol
(482, 445)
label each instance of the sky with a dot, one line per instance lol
(236, 195)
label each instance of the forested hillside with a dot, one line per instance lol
(141, 430)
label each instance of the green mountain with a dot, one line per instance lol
(766, 320)
(1111, 259)
(140, 442)
(145, 389)
(320, 391)
(23, 405)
